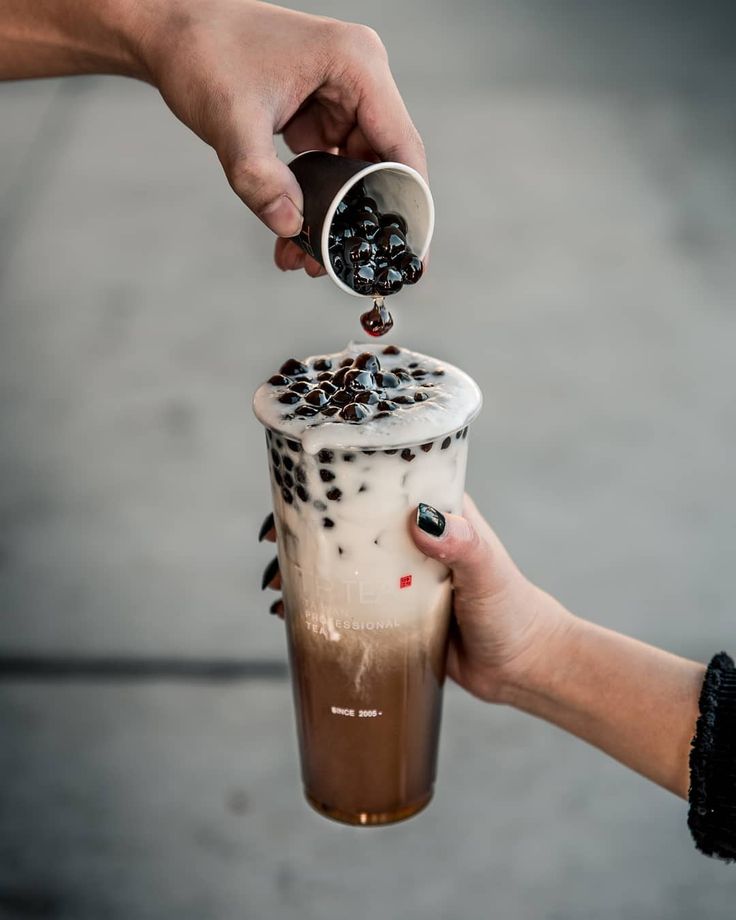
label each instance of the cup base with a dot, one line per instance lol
(370, 818)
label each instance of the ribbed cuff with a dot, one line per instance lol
(712, 814)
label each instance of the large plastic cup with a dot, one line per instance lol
(367, 618)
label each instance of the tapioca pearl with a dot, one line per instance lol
(348, 458)
(377, 321)
(382, 414)
(341, 398)
(287, 495)
(365, 205)
(302, 493)
(387, 379)
(341, 208)
(325, 376)
(361, 279)
(403, 400)
(294, 368)
(359, 251)
(328, 523)
(458, 434)
(427, 447)
(339, 377)
(390, 241)
(413, 365)
(367, 226)
(329, 388)
(346, 362)
(322, 364)
(420, 397)
(276, 457)
(326, 456)
(367, 397)
(329, 411)
(410, 266)
(407, 455)
(301, 474)
(334, 494)
(317, 398)
(438, 372)
(386, 405)
(387, 281)
(446, 443)
(301, 387)
(279, 442)
(391, 219)
(277, 478)
(367, 361)
(368, 453)
(363, 487)
(356, 379)
(289, 480)
(289, 398)
(403, 375)
(392, 451)
(465, 432)
(288, 462)
(305, 411)
(294, 446)
(320, 505)
(419, 373)
(354, 412)
(339, 263)
(326, 475)
(391, 350)
(278, 380)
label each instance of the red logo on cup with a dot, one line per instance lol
(405, 581)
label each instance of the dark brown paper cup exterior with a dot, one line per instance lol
(325, 179)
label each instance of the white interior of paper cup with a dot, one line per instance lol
(397, 188)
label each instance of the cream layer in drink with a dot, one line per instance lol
(356, 440)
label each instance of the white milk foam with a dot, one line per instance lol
(454, 401)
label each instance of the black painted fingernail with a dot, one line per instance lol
(271, 571)
(277, 607)
(266, 526)
(430, 520)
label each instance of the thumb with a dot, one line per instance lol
(480, 566)
(258, 177)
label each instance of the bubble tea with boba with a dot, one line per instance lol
(355, 441)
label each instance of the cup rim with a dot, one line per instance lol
(356, 177)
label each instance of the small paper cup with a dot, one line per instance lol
(326, 179)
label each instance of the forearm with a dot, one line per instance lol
(43, 38)
(635, 702)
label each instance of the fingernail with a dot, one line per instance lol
(270, 572)
(282, 216)
(265, 527)
(277, 608)
(430, 520)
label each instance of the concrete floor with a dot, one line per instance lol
(583, 160)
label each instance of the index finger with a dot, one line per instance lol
(386, 124)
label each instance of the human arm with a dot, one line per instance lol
(236, 72)
(516, 644)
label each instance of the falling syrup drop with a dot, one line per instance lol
(377, 321)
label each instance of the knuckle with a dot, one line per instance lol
(366, 40)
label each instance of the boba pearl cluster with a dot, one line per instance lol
(368, 249)
(366, 396)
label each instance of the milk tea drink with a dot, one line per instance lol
(356, 440)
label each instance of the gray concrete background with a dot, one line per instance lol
(583, 159)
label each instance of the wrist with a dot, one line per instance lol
(538, 668)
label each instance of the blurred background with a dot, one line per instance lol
(583, 161)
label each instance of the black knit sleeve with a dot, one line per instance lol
(712, 815)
